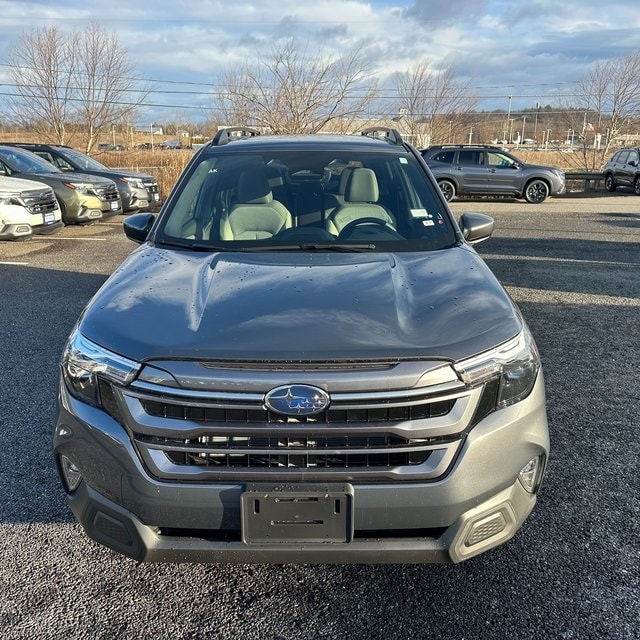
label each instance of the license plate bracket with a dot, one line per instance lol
(285, 514)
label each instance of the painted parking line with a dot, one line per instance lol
(95, 238)
(15, 264)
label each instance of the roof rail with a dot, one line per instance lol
(462, 146)
(224, 136)
(383, 133)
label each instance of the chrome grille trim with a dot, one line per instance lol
(39, 202)
(381, 425)
(252, 400)
(107, 193)
(435, 466)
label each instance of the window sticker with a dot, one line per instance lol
(403, 161)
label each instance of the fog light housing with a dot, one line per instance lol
(530, 475)
(70, 473)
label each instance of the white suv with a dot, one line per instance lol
(26, 208)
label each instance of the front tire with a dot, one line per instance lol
(536, 191)
(636, 185)
(609, 183)
(448, 189)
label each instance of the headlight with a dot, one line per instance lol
(84, 363)
(81, 187)
(515, 363)
(559, 173)
(136, 183)
(10, 198)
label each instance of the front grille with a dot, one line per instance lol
(331, 416)
(39, 202)
(107, 193)
(311, 451)
(227, 435)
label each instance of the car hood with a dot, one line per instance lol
(114, 174)
(15, 185)
(64, 177)
(163, 304)
(539, 167)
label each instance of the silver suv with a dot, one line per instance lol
(483, 170)
(304, 361)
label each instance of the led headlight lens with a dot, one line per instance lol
(516, 363)
(80, 187)
(136, 183)
(10, 198)
(84, 361)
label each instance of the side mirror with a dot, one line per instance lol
(137, 226)
(476, 227)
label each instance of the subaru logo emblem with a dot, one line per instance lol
(297, 400)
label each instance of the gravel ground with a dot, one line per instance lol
(573, 571)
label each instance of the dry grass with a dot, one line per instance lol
(166, 166)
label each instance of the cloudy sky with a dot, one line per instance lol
(530, 49)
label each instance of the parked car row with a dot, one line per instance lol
(83, 189)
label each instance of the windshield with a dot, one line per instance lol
(82, 161)
(310, 200)
(22, 161)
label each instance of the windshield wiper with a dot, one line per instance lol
(194, 246)
(315, 246)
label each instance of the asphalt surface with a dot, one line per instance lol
(572, 571)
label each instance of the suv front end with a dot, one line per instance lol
(27, 208)
(139, 192)
(88, 198)
(354, 399)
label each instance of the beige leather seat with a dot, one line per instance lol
(360, 198)
(256, 215)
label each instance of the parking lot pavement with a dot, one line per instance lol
(572, 571)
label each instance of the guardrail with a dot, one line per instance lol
(591, 179)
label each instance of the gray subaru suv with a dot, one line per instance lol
(304, 361)
(485, 170)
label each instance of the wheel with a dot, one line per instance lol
(536, 191)
(448, 189)
(349, 227)
(609, 183)
(636, 185)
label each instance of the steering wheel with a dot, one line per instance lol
(350, 226)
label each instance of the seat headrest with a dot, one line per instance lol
(344, 179)
(362, 186)
(253, 187)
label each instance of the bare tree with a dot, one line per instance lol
(43, 72)
(81, 78)
(432, 102)
(607, 98)
(105, 87)
(291, 91)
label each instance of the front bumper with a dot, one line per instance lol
(25, 230)
(121, 506)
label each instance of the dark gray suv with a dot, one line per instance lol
(623, 170)
(483, 170)
(304, 361)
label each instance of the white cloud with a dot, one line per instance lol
(498, 43)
